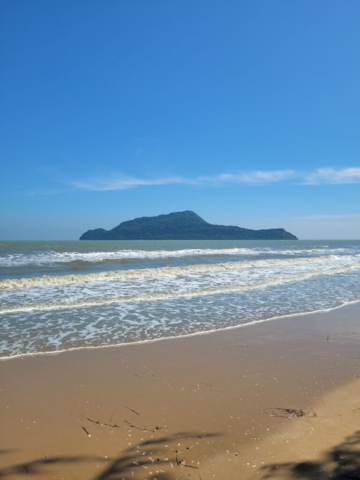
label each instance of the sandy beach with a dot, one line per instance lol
(278, 399)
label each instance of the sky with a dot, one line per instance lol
(246, 112)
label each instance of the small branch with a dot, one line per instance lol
(105, 424)
(211, 386)
(142, 429)
(129, 424)
(87, 433)
(131, 410)
(208, 384)
(113, 414)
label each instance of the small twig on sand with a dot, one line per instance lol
(105, 424)
(113, 414)
(129, 424)
(211, 386)
(208, 384)
(131, 410)
(142, 429)
(87, 433)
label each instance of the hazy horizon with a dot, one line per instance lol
(295, 225)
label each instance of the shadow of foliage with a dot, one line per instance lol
(131, 460)
(38, 466)
(131, 464)
(341, 463)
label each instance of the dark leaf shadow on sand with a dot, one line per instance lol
(131, 460)
(340, 463)
(40, 465)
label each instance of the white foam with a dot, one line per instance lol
(53, 257)
(247, 284)
(165, 271)
(177, 337)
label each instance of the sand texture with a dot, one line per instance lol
(278, 400)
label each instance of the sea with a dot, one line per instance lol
(65, 295)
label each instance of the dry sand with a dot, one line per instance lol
(200, 407)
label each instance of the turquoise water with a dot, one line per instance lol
(62, 295)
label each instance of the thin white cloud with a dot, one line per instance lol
(256, 177)
(123, 182)
(333, 177)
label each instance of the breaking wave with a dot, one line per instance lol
(174, 295)
(53, 257)
(164, 271)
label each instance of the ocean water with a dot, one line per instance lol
(57, 296)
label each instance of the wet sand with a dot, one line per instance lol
(200, 407)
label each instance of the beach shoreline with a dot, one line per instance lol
(204, 400)
(178, 337)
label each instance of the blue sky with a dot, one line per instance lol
(247, 112)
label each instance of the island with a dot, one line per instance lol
(182, 226)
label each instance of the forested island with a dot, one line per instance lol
(182, 226)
